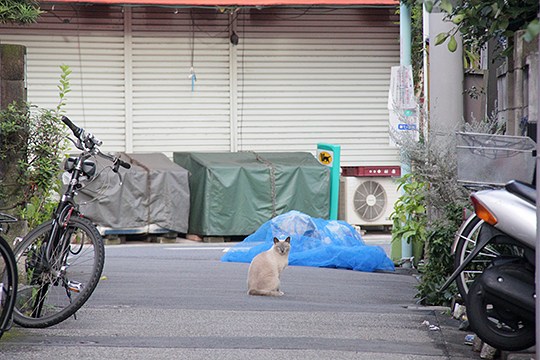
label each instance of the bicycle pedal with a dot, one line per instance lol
(75, 286)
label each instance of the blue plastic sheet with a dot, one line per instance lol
(314, 242)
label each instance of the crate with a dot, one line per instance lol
(494, 159)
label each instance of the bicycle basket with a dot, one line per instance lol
(494, 159)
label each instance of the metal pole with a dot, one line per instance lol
(405, 34)
(405, 40)
(537, 257)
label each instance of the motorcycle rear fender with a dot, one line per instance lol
(509, 291)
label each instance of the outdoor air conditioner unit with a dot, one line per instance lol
(367, 195)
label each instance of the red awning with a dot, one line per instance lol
(238, 2)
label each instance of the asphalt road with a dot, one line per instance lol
(178, 301)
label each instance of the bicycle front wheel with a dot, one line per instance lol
(8, 284)
(52, 288)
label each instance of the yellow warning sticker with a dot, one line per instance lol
(325, 158)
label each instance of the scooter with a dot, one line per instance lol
(501, 300)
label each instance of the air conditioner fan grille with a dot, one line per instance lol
(370, 200)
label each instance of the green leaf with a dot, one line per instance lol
(407, 235)
(496, 9)
(440, 38)
(428, 5)
(486, 10)
(458, 18)
(452, 44)
(446, 6)
(420, 209)
(533, 29)
(503, 24)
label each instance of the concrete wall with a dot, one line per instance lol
(517, 87)
(12, 72)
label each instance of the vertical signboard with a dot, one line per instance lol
(329, 155)
(402, 106)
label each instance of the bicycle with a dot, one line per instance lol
(8, 278)
(60, 261)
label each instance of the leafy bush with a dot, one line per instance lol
(431, 209)
(432, 196)
(35, 139)
(19, 11)
(410, 217)
(439, 262)
(480, 21)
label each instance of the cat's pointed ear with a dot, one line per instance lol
(276, 240)
(288, 239)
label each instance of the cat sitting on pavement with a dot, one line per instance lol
(265, 269)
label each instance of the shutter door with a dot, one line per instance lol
(168, 114)
(298, 77)
(317, 75)
(90, 41)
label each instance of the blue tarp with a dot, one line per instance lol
(314, 242)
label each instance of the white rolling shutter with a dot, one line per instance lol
(317, 75)
(90, 41)
(168, 114)
(298, 77)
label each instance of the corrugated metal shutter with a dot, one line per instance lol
(298, 77)
(168, 114)
(90, 41)
(317, 75)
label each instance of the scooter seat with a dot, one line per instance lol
(525, 191)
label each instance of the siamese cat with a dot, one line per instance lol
(265, 269)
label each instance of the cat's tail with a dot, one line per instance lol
(265, 292)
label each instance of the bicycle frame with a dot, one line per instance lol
(67, 204)
(56, 245)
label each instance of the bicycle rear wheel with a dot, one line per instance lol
(467, 241)
(8, 284)
(49, 293)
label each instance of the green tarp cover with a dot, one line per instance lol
(235, 193)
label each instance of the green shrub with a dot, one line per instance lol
(32, 146)
(438, 261)
(409, 217)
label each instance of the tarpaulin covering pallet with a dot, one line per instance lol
(152, 198)
(235, 193)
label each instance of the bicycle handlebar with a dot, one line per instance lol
(86, 139)
(90, 142)
(115, 160)
(77, 131)
(124, 164)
